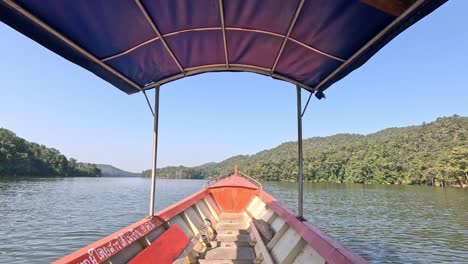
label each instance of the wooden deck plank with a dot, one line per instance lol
(183, 225)
(202, 208)
(278, 235)
(308, 255)
(287, 248)
(261, 250)
(193, 220)
(232, 216)
(235, 226)
(232, 232)
(240, 253)
(212, 206)
(235, 221)
(233, 238)
(225, 261)
(232, 245)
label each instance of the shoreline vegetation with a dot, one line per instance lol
(434, 154)
(21, 158)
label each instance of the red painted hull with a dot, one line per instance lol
(231, 195)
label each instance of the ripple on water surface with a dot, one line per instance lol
(44, 219)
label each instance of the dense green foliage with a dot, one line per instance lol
(435, 153)
(19, 157)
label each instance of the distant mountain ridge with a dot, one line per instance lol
(111, 171)
(434, 153)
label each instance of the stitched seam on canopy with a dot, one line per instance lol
(155, 28)
(170, 34)
(291, 27)
(255, 31)
(130, 49)
(227, 29)
(316, 50)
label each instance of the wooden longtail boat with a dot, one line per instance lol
(143, 44)
(231, 220)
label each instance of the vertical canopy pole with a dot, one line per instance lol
(155, 150)
(299, 153)
(223, 27)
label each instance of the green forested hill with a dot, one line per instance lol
(19, 157)
(111, 171)
(431, 153)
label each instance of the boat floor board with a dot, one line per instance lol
(231, 221)
(231, 216)
(263, 232)
(233, 238)
(226, 261)
(232, 243)
(231, 232)
(235, 226)
(223, 253)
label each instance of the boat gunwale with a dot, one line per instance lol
(330, 249)
(169, 212)
(327, 247)
(238, 182)
(158, 220)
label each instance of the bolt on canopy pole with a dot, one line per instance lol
(155, 150)
(299, 152)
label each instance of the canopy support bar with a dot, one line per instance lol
(149, 104)
(291, 26)
(225, 30)
(307, 104)
(300, 179)
(155, 150)
(156, 30)
(223, 27)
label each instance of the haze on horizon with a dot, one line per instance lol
(418, 77)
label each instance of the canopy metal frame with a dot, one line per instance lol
(300, 160)
(101, 67)
(148, 102)
(155, 151)
(300, 178)
(227, 66)
(286, 37)
(222, 68)
(158, 33)
(223, 28)
(369, 44)
(226, 29)
(70, 43)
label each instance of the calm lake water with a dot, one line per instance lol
(44, 219)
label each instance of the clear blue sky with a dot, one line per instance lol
(421, 75)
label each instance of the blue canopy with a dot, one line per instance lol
(140, 44)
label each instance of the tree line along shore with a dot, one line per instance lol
(21, 158)
(434, 153)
